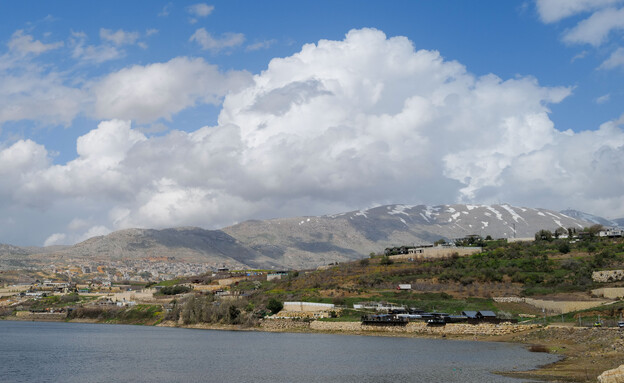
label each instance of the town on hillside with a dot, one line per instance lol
(471, 279)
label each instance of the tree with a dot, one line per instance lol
(564, 248)
(386, 260)
(274, 306)
(440, 241)
(543, 235)
(560, 231)
(594, 230)
(174, 290)
(233, 314)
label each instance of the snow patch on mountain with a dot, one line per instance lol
(399, 209)
(498, 214)
(516, 217)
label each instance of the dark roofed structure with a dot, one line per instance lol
(486, 314)
(470, 314)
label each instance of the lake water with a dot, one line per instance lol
(76, 352)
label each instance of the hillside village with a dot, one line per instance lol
(473, 286)
(118, 277)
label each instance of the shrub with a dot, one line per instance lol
(338, 301)
(386, 261)
(233, 314)
(274, 306)
(73, 297)
(539, 348)
(174, 290)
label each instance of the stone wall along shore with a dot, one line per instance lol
(410, 328)
(422, 328)
(27, 315)
(284, 325)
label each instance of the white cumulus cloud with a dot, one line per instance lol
(25, 44)
(596, 29)
(615, 60)
(551, 11)
(146, 93)
(55, 239)
(200, 9)
(92, 53)
(119, 37)
(339, 125)
(215, 44)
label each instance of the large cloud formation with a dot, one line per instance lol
(339, 125)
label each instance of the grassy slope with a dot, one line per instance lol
(459, 283)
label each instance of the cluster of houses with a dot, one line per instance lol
(429, 251)
(394, 315)
(445, 249)
(611, 233)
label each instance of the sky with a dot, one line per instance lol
(156, 114)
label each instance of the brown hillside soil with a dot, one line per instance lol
(608, 312)
(588, 352)
(573, 296)
(523, 308)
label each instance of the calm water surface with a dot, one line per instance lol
(75, 352)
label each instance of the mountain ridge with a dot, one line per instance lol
(310, 241)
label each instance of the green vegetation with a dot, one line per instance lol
(169, 283)
(57, 301)
(547, 266)
(174, 290)
(274, 306)
(205, 309)
(139, 314)
(543, 266)
(455, 283)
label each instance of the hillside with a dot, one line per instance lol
(307, 242)
(310, 241)
(179, 244)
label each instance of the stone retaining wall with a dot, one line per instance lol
(562, 307)
(559, 307)
(509, 299)
(610, 292)
(284, 325)
(437, 252)
(27, 315)
(608, 275)
(422, 328)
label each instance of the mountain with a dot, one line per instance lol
(188, 244)
(593, 218)
(309, 241)
(306, 242)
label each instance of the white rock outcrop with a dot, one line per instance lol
(612, 376)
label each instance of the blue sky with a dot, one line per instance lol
(157, 114)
